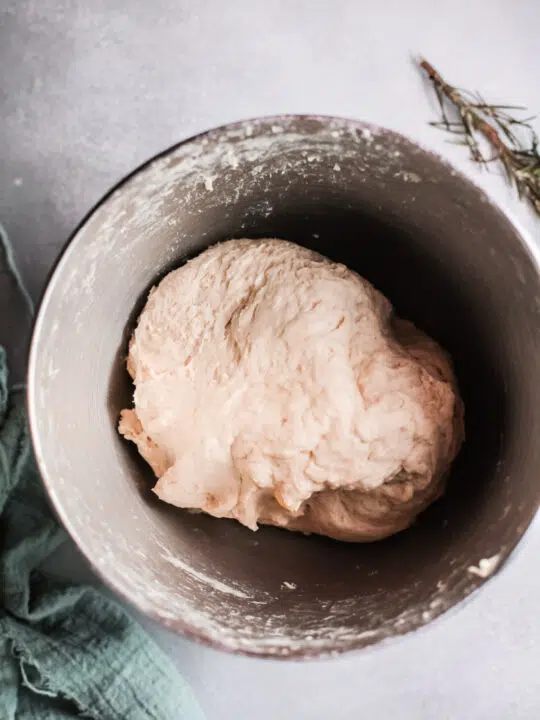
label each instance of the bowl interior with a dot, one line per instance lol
(429, 240)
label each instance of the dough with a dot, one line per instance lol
(275, 386)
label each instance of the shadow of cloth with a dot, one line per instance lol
(16, 312)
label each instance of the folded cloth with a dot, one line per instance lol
(65, 651)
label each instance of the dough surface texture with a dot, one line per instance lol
(275, 386)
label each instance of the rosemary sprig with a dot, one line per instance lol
(514, 141)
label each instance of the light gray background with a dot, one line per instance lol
(89, 89)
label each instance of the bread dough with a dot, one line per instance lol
(275, 386)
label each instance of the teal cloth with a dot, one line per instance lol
(65, 651)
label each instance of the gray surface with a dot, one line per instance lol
(88, 94)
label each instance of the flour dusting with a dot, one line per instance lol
(485, 567)
(286, 585)
(201, 577)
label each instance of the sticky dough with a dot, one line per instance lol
(275, 386)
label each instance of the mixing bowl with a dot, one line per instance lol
(424, 235)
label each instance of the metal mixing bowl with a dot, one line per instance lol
(430, 240)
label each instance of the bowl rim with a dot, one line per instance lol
(179, 625)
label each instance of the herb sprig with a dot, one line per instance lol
(513, 139)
